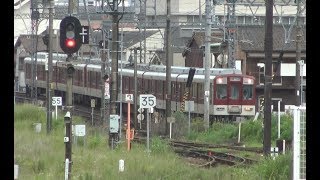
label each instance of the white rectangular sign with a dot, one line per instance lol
(147, 101)
(189, 104)
(80, 130)
(56, 101)
(129, 97)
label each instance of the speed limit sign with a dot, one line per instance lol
(147, 101)
(56, 101)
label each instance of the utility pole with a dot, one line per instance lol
(231, 33)
(207, 64)
(200, 15)
(35, 15)
(103, 76)
(114, 63)
(17, 70)
(135, 96)
(298, 54)
(142, 24)
(49, 78)
(268, 46)
(168, 65)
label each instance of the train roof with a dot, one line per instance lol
(178, 73)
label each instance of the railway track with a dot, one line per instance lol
(202, 155)
(219, 157)
(78, 110)
(204, 145)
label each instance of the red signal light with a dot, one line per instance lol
(70, 43)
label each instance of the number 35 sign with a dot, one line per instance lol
(56, 101)
(147, 101)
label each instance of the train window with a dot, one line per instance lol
(221, 91)
(234, 94)
(247, 92)
(200, 91)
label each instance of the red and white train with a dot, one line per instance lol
(232, 94)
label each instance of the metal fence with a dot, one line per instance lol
(299, 143)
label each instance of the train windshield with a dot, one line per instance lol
(234, 94)
(221, 91)
(247, 92)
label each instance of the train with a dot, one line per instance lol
(232, 94)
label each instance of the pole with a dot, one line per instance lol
(268, 77)
(298, 54)
(56, 112)
(278, 119)
(121, 82)
(239, 134)
(114, 66)
(103, 77)
(69, 109)
(168, 65)
(207, 65)
(231, 33)
(170, 129)
(128, 125)
(49, 78)
(200, 15)
(148, 137)
(68, 152)
(301, 80)
(135, 96)
(91, 116)
(66, 169)
(17, 70)
(68, 144)
(189, 124)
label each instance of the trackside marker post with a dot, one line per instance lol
(147, 101)
(121, 165)
(16, 171)
(66, 171)
(128, 125)
(129, 97)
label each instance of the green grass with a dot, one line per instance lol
(41, 156)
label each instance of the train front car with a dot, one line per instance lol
(234, 97)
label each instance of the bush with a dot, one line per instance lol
(279, 168)
(158, 145)
(180, 127)
(29, 112)
(252, 131)
(94, 141)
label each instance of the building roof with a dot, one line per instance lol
(251, 38)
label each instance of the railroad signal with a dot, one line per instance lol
(70, 38)
(70, 69)
(190, 77)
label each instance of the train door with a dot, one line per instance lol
(234, 95)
